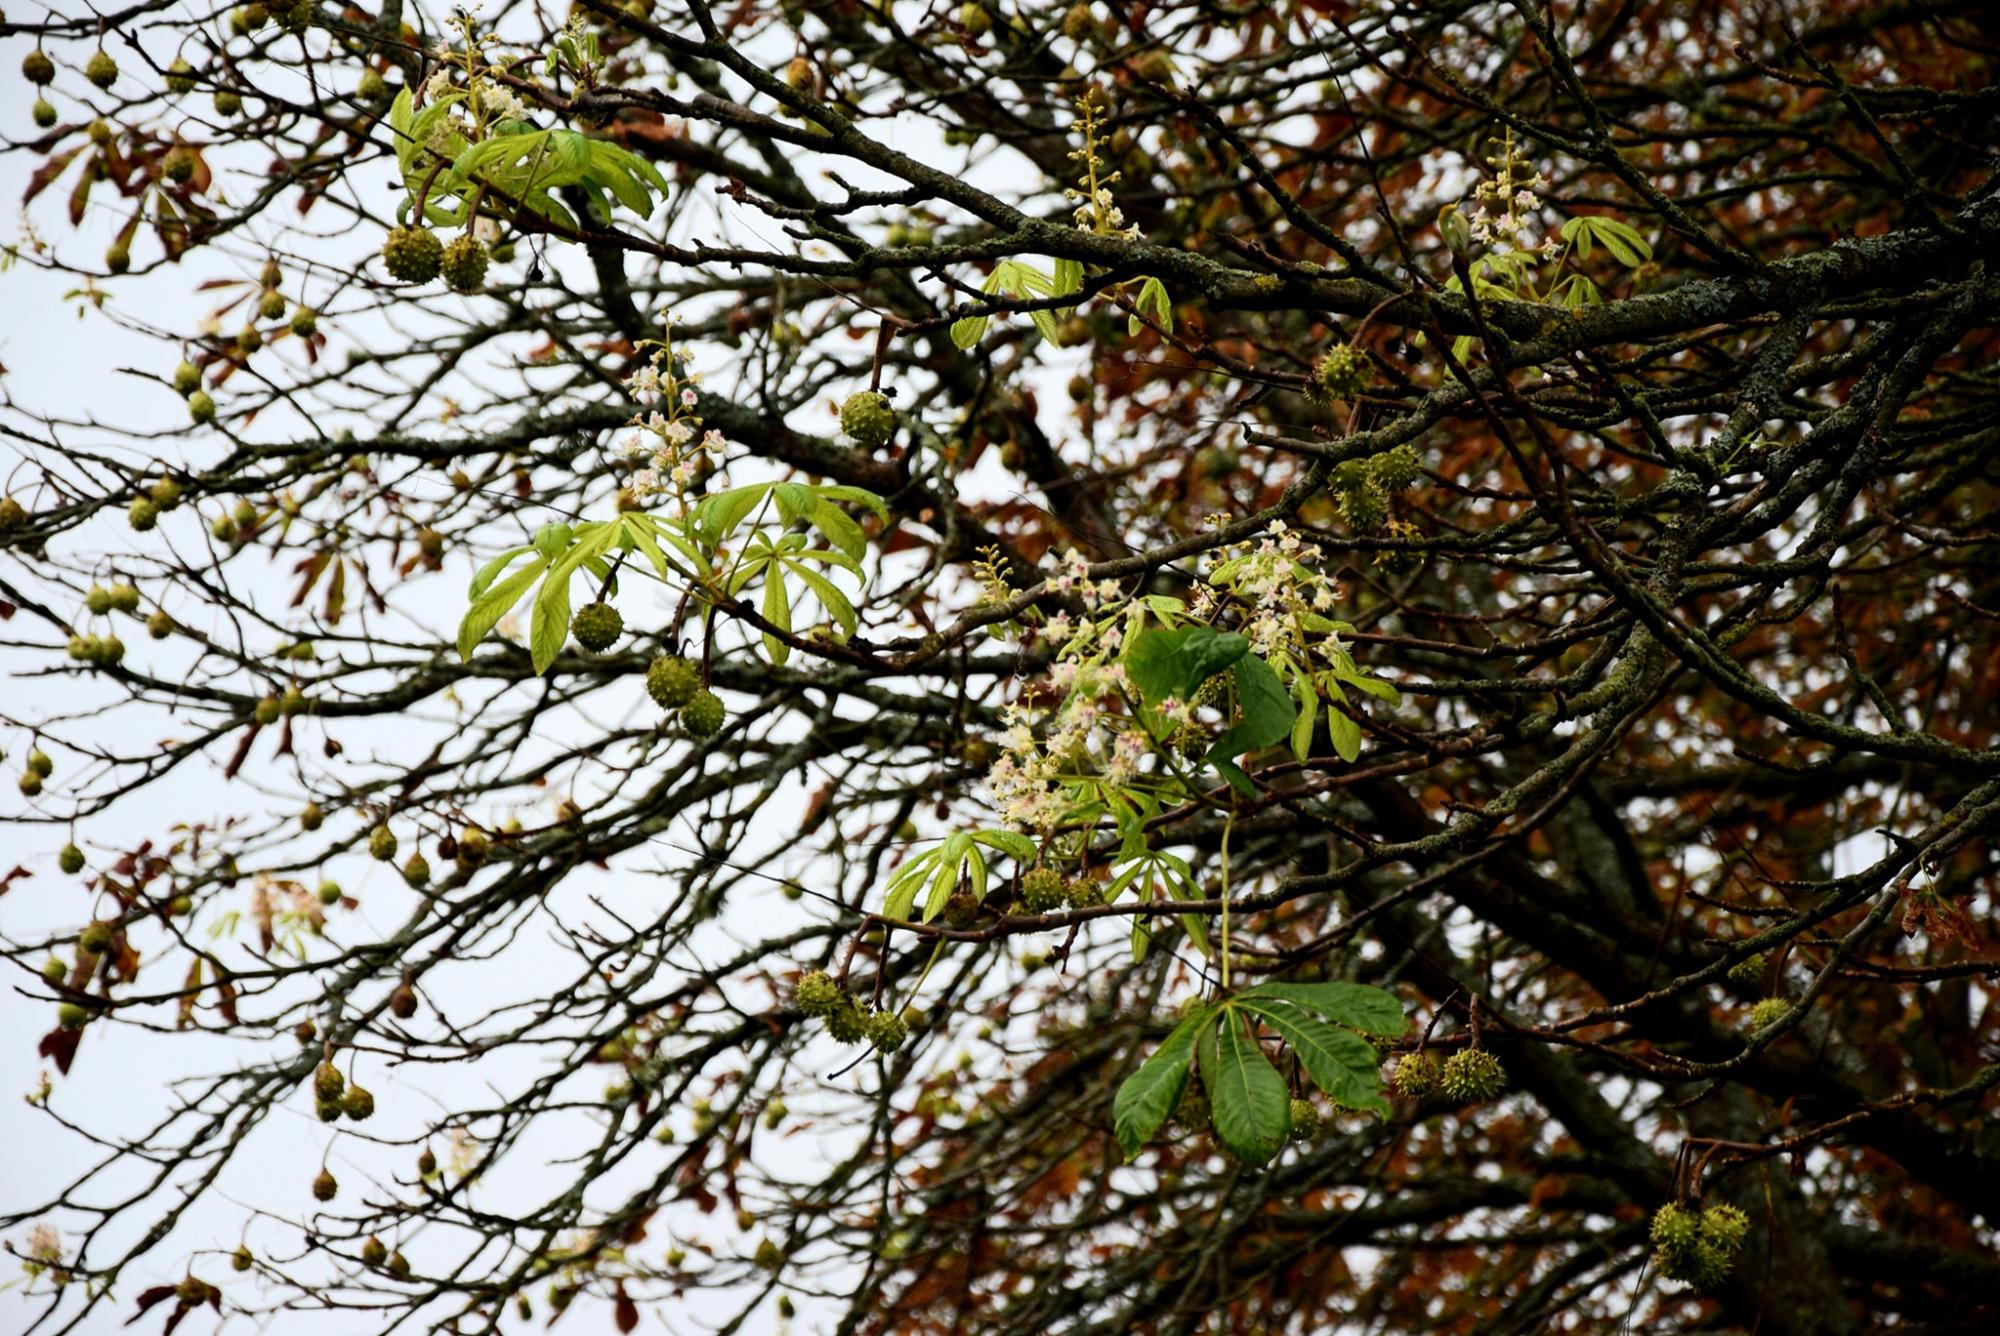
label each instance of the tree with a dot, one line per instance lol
(1449, 787)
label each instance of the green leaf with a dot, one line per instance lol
(1302, 727)
(1163, 662)
(1068, 278)
(1150, 1094)
(1340, 1062)
(486, 574)
(486, 612)
(1246, 1096)
(1208, 651)
(777, 610)
(549, 626)
(1355, 1005)
(839, 528)
(551, 540)
(1345, 733)
(968, 330)
(717, 516)
(1265, 705)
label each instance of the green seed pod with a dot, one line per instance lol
(328, 1083)
(40, 764)
(1749, 971)
(417, 872)
(228, 103)
(325, 1187)
(125, 597)
(305, 322)
(44, 112)
(357, 1104)
(311, 817)
(271, 306)
(1472, 1074)
(242, 1260)
(72, 1016)
(847, 1023)
(372, 88)
(399, 1266)
(178, 165)
(412, 254)
(887, 1031)
(382, 844)
(1767, 1013)
(37, 68)
(672, 681)
(180, 77)
(817, 994)
(70, 860)
(1042, 890)
(267, 711)
(54, 971)
(143, 515)
(329, 893)
(98, 600)
(704, 715)
(463, 264)
(95, 938)
(249, 339)
(202, 409)
(159, 626)
(1305, 1120)
(374, 1252)
(597, 626)
(868, 420)
(329, 1110)
(101, 69)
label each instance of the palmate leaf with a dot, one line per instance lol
(1149, 1094)
(1266, 707)
(1355, 1005)
(1246, 1097)
(1340, 1062)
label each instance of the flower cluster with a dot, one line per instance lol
(1506, 204)
(1096, 210)
(1279, 598)
(1086, 740)
(672, 442)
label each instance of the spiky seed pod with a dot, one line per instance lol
(180, 77)
(328, 1110)
(99, 132)
(12, 514)
(463, 264)
(125, 597)
(817, 994)
(597, 626)
(143, 514)
(961, 909)
(847, 1022)
(427, 1163)
(110, 650)
(326, 1187)
(271, 306)
(228, 103)
(202, 409)
(374, 1252)
(70, 860)
(311, 817)
(294, 16)
(412, 254)
(1042, 890)
(358, 1104)
(886, 1031)
(1724, 1226)
(54, 971)
(40, 764)
(1767, 1013)
(1343, 371)
(399, 1266)
(95, 938)
(672, 681)
(241, 1259)
(159, 626)
(1364, 508)
(1305, 1120)
(704, 716)
(417, 872)
(382, 844)
(97, 600)
(187, 378)
(44, 112)
(305, 322)
(868, 420)
(1749, 971)
(191, 1291)
(268, 710)
(1472, 1074)
(37, 68)
(473, 846)
(101, 69)
(178, 165)
(1675, 1228)
(31, 784)
(1082, 892)
(774, 1114)
(403, 1002)
(769, 1255)
(329, 893)
(328, 1083)
(72, 1016)
(1396, 469)
(249, 339)
(373, 87)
